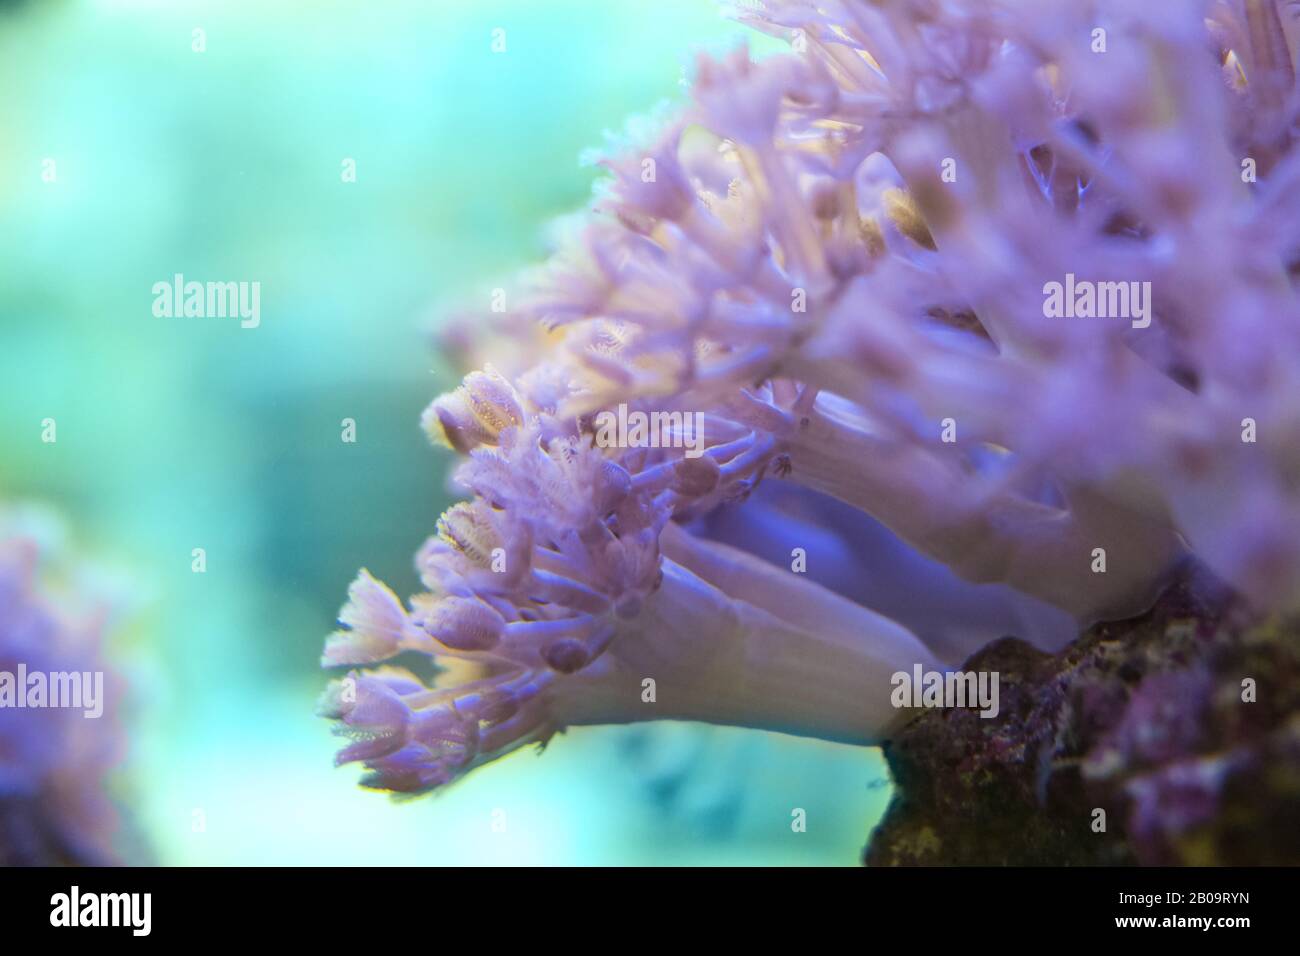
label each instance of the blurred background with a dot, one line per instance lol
(175, 434)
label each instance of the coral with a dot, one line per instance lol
(841, 263)
(55, 758)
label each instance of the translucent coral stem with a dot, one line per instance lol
(1048, 552)
(730, 639)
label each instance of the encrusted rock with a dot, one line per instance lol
(1182, 726)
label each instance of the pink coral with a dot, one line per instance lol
(841, 260)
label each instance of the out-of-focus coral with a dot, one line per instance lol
(1182, 726)
(59, 737)
(832, 270)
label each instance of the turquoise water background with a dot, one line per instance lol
(176, 434)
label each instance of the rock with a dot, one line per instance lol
(1147, 720)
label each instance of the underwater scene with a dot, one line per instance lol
(766, 433)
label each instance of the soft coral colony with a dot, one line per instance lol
(839, 257)
(55, 764)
